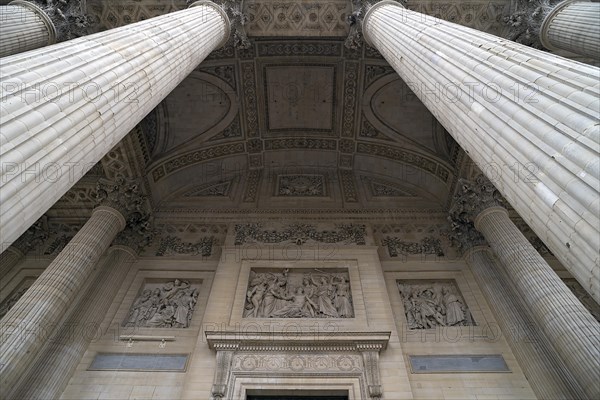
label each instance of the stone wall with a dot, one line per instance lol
(238, 353)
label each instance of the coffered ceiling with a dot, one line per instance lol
(295, 122)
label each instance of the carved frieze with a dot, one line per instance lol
(172, 245)
(163, 305)
(264, 362)
(301, 186)
(300, 233)
(301, 143)
(431, 304)
(298, 294)
(428, 245)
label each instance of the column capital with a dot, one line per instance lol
(473, 197)
(530, 19)
(360, 11)
(235, 19)
(66, 19)
(48, 22)
(138, 233)
(122, 194)
(464, 235)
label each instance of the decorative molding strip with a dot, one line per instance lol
(351, 82)
(406, 156)
(348, 186)
(172, 245)
(304, 48)
(299, 234)
(194, 157)
(301, 143)
(249, 94)
(252, 182)
(428, 245)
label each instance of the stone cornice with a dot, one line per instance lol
(297, 341)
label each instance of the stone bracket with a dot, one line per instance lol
(225, 353)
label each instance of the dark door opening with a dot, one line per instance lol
(276, 397)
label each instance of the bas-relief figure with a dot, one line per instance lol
(300, 294)
(168, 306)
(431, 304)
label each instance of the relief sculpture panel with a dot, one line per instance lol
(300, 293)
(429, 304)
(163, 305)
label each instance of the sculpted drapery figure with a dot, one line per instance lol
(428, 305)
(170, 306)
(298, 295)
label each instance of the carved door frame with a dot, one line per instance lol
(273, 360)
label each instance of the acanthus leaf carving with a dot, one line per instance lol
(68, 17)
(122, 194)
(473, 197)
(138, 233)
(525, 23)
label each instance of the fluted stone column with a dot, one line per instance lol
(63, 107)
(528, 119)
(547, 374)
(573, 26)
(24, 329)
(24, 26)
(568, 325)
(53, 369)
